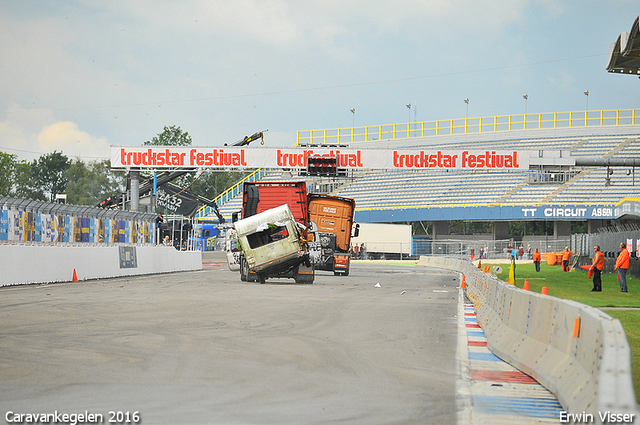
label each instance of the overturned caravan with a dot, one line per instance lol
(273, 246)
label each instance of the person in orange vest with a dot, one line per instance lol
(536, 259)
(566, 256)
(622, 265)
(596, 268)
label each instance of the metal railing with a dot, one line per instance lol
(544, 120)
(229, 194)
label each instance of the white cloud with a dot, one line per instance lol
(65, 136)
(32, 133)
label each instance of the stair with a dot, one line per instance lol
(565, 185)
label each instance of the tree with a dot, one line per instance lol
(48, 173)
(16, 178)
(171, 136)
(90, 183)
(212, 182)
(8, 164)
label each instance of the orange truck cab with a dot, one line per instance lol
(330, 224)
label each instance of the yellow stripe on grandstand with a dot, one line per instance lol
(627, 199)
(230, 192)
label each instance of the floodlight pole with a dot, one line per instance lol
(526, 99)
(586, 93)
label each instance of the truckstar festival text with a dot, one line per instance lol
(202, 157)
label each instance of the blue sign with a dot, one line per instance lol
(496, 213)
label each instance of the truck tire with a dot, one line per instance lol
(303, 278)
(261, 278)
(244, 270)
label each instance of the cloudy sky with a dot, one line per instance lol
(79, 76)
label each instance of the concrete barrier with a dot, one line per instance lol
(23, 264)
(576, 351)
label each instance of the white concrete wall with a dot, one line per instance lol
(535, 333)
(22, 264)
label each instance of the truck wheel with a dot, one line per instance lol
(261, 278)
(303, 278)
(244, 270)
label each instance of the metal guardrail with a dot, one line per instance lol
(544, 120)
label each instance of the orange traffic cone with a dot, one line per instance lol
(464, 282)
(75, 276)
(544, 290)
(526, 285)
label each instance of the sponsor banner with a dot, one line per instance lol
(171, 198)
(234, 157)
(487, 212)
(128, 257)
(4, 225)
(577, 212)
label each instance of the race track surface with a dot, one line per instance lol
(205, 348)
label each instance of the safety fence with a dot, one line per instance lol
(485, 248)
(576, 351)
(39, 222)
(609, 241)
(545, 120)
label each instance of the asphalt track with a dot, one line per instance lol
(204, 348)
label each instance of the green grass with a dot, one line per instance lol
(576, 286)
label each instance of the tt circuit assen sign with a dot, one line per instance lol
(259, 157)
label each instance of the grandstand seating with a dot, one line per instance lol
(427, 188)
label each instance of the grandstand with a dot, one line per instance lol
(555, 193)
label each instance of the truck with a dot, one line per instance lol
(204, 235)
(325, 221)
(274, 245)
(261, 197)
(330, 227)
